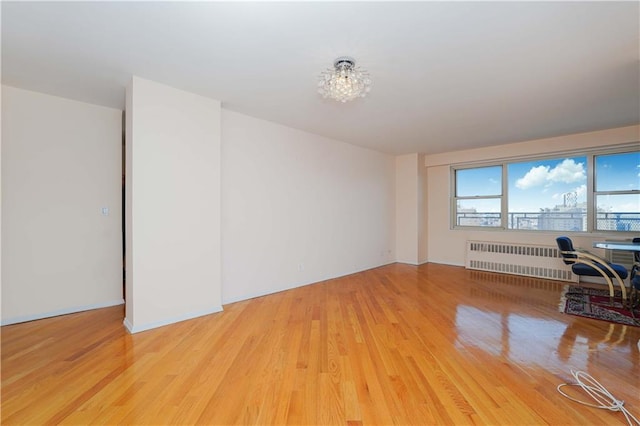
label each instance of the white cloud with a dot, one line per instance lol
(534, 177)
(581, 194)
(566, 172)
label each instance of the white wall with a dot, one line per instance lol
(222, 206)
(61, 163)
(406, 208)
(448, 246)
(173, 209)
(411, 236)
(423, 230)
(299, 208)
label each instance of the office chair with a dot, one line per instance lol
(584, 263)
(635, 274)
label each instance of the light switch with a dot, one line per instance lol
(105, 211)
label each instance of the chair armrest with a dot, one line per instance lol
(596, 262)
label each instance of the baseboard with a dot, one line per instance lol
(131, 328)
(300, 284)
(66, 311)
(128, 325)
(440, 262)
(265, 293)
(405, 262)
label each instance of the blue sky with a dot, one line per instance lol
(618, 171)
(541, 184)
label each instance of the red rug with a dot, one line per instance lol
(595, 303)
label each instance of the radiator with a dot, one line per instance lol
(518, 259)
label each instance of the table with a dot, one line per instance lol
(625, 246)
(617, 245)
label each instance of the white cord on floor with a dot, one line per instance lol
(600, 394)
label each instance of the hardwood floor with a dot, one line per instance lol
(398, 344)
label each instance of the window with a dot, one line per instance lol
(479, 196)
(617, 192)
(580, 193)
(548, 195)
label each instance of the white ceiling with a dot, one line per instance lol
(447, 75)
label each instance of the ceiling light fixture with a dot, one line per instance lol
(345, 82)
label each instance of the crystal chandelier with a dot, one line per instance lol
(345, 82)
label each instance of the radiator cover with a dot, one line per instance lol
(518, 259)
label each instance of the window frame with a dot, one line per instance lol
(591, 194)
(455, 198)
(596, 193)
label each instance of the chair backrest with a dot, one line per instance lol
(636, 254)
(565, 244)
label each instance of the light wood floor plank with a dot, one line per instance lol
(400, 344)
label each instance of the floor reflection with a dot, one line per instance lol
(508, 335)
(545, 342)
(518, 319)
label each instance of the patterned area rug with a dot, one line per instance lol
(594, 303)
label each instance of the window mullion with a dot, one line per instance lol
(504, 198)
(591, 190)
